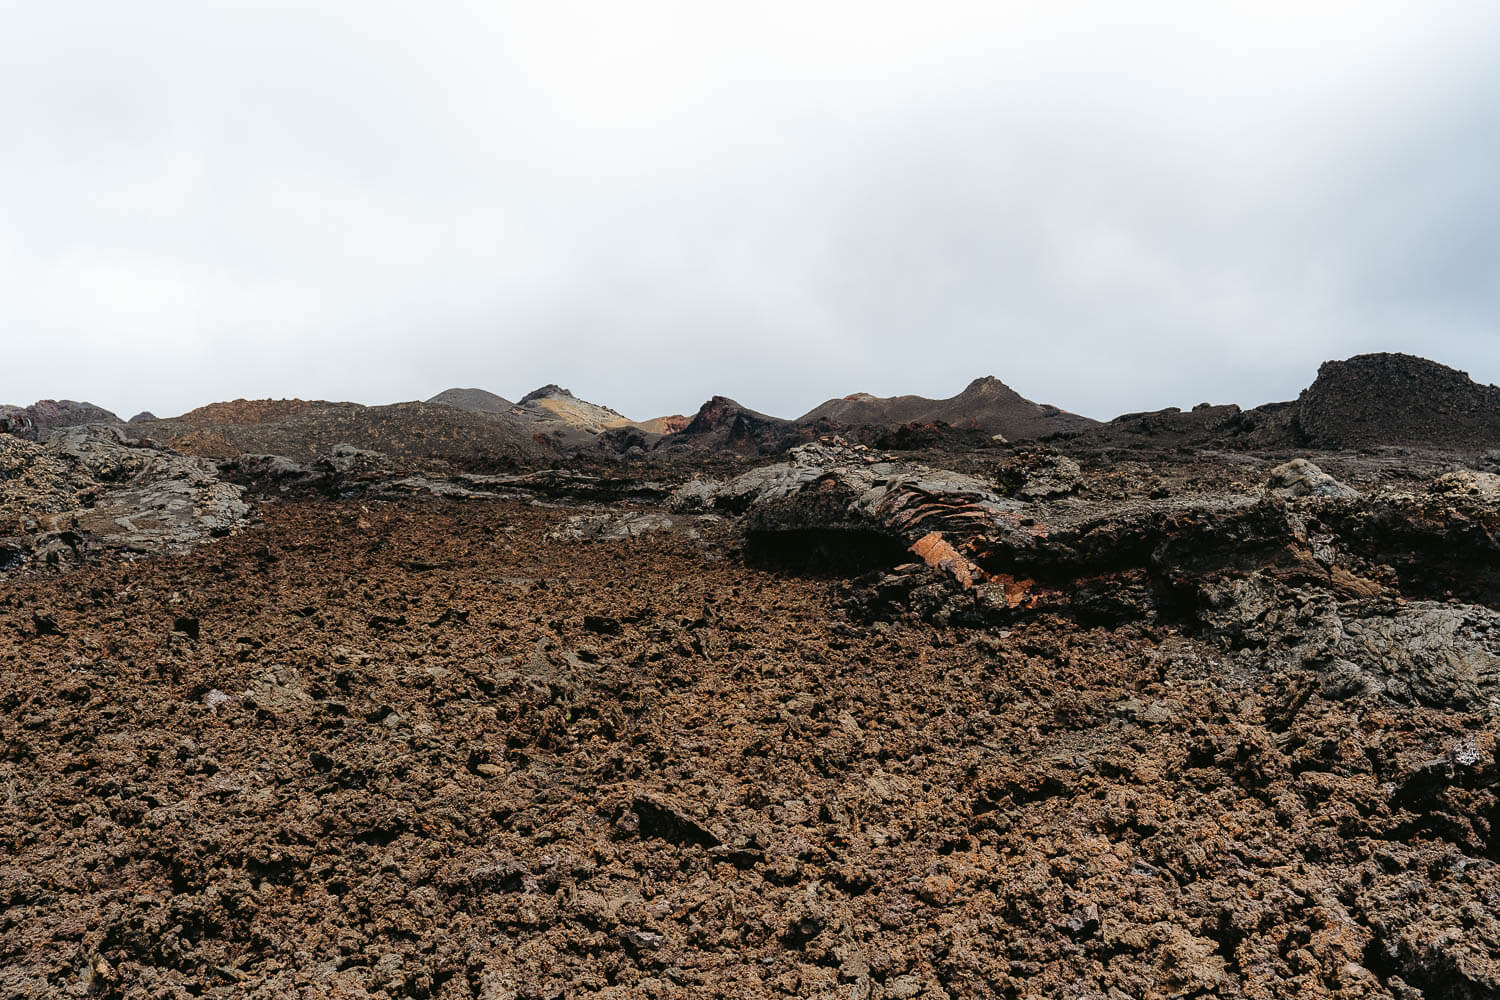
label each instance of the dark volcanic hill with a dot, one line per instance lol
(1397, 399)
(475, 400)
(721, 424)
(987, 404)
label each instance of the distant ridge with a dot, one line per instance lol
(1369, 400)
(986, 404)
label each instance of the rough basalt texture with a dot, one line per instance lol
(994, 723)
(1297, 574)
(371, 748)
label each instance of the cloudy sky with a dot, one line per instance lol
(1109, 206)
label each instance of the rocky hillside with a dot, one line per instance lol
(1398, 399)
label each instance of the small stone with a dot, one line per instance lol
(1083, 922)
(638, 940)
(937, 890)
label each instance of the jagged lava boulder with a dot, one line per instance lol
(93, 488)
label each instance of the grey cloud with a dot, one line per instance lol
(1110, 212)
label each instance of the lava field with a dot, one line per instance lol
(459, 746)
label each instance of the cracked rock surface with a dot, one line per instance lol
(92, 489)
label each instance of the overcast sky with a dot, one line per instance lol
(1109, 206)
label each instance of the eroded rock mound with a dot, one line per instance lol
(1301, 478)
(1397, 399)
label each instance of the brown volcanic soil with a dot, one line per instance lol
(417, 750)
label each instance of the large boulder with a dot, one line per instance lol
(1301, 478)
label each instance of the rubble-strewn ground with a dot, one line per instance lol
(438, 747)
